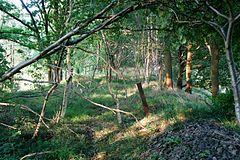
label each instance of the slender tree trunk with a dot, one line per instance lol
(214, 51)
(68, 85)
(110, 57)
(147, 77)
(181, 65)
(233, 74)
(168, 71)
(98, 53)
(189, 69)
(12, 54)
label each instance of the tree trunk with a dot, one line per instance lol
(189, 69)
(147, 77)
(168, 71)
(214, 51)
(181, 65)
(234, 76)
(68, 85)
(143, 98)
(110, 57)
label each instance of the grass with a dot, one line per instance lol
(89, 132)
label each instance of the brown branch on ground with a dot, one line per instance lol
(24, 108)
(35, 154)
(111, 109)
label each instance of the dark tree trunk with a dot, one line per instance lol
(214, 68)
(181, 65)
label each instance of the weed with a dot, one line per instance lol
(176, 140)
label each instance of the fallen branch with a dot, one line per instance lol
(7, 125)
(35, 154)
(22, 107)
(26, 108)
(111, 109)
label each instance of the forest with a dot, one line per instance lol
(119, 79)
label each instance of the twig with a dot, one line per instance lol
(7, 125)
(72, 131)
(22, 107)
(32, 81)
(35, 154)
(5, 58)
(43, 109)
(111, 109)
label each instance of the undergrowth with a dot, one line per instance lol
(91, 132)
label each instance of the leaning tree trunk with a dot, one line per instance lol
(168, 70)
(189, 69)
(214, 68)
(234, 76)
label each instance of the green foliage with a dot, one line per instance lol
(176, 140)
(224, 103)
(204, 153)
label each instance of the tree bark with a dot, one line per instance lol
(233, 71)
(68, 85)
(168, 71)
(181, 65)
(143, 98)
(214, 51)
(147, 77)
(189, 69)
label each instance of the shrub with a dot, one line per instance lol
(224, 103)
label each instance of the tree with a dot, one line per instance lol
(221, 16)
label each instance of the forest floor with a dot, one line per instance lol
(181, 126)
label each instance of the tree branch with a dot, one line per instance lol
(17, 19)
(33, 20)
(35, 154)
(3, 124)
(55, 46)
(216, 11)
(236, 18)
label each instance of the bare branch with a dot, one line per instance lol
(216, 11)
(178, 21)
(5, 58)
(6, 125)
(43, 109)
(22, 107)
(17, 19)
(33, 20)
(35, 154)
(32, 81)
(111, 109)
(217, 27)
(236, 18)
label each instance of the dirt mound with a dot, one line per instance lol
(195, 140)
